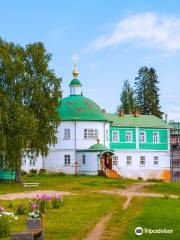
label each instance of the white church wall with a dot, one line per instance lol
(149, 170)
(90, 166)
(32, 164)
(81, 143)
(54, 162)
(62, 143)
(86, 143)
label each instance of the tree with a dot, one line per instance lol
(29, 95)
(147, 92)
(128, 103)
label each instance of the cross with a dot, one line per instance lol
(75, 58)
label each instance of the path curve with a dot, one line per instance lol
(97, 232)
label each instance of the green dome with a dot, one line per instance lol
(75, 82)
(79, 108)
(98, 147)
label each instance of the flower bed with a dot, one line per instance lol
(6, 221)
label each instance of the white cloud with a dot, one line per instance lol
(147, 29)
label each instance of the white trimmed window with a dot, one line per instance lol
(142, 161)
(115, 136)
(115, 160)
(155, 137)
(128, 136)
(67, 159)
(32, 162)
(142, 137)
(107, 135)
(83, 159)
(129, 160)
(156, 160)
(67, 133)
(90, 133)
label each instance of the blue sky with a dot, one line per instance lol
(112, 38)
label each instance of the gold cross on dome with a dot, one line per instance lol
(75, 58)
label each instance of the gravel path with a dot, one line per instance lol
(31, 195)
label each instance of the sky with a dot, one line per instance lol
(113, 39)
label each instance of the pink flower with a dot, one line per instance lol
(49, 198)
(2, 209)
(34, 206)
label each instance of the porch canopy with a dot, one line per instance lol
(98, 147)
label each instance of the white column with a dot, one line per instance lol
(137, 138)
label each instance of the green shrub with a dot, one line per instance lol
(20, 209)
(166, 196)
(56, 201)
(42, 171)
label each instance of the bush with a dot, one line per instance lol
(140, 179)
(23, 173)
(56, 201)
(20, 209)
(33, 171)
(42, 171)
(166, 196)
(6, 220)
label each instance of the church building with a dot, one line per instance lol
(98, 143)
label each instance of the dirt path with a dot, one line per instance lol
(130, 192)
(97, 232)
(136, 190)
(31, 195)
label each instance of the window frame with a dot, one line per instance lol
(91, 133)
(67, 136)
(158, 139)
(115, 131)
(144, 160)
(32, 162)
(128, 161)
(131, 138)
(84, 159)
(67, 159)
(156, 160)
(140, 140)
(115, 160)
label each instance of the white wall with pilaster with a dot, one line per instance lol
(149, 170)
(54, 162)
(91, 163)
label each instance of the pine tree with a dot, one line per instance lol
(147, 92)
(127, 98)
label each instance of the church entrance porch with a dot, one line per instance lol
(105, 165)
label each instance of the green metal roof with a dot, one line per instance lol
(130, 120)
(75, 82)
(79, 108)
(98, 147)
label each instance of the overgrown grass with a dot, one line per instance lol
(149, 213)
(73, 220)
(165, 187)
(157, 214)
(68, 183)
(120, 220)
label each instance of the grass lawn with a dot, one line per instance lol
(152, 213)
(68, 183)
(165, 187)
(73, 220)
